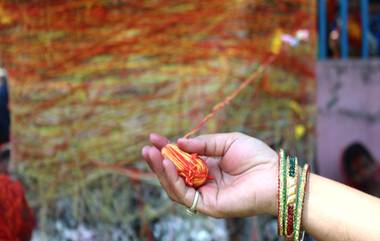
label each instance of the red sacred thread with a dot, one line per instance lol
(189, 166)
(192, 168)
(132, 173)
(182, 36)
(219, 106)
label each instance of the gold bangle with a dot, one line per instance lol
(281, 192)
(299, 202)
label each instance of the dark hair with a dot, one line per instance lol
(4, 155)
(352, 152)
(4, 111)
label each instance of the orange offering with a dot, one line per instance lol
(190, 167)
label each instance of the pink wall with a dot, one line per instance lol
(348, 110)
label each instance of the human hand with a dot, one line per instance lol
(244, 171)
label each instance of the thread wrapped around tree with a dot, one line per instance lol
(190, 167)
(95, 72)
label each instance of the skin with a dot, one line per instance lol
(245, 184)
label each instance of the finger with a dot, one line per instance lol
(154, 160)
(208, 145)
(158, 140)
(185, 194)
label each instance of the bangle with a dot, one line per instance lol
(291, 196)
(300, 201)
(291, 190)
(281, 197)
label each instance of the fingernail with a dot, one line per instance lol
(144, 151)
(182, 140)
(166, 163)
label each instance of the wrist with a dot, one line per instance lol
(266, 192)
(273, 203)
(273, 208)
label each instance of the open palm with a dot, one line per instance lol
(244, 171)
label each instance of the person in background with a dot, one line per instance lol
(4, 123)
(4, 111)
(354, 29)
(16, 219)
(360, 169)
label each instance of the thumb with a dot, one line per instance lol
(208, 145)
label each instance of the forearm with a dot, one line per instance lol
(333, 211)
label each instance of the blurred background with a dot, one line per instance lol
(83, 83)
